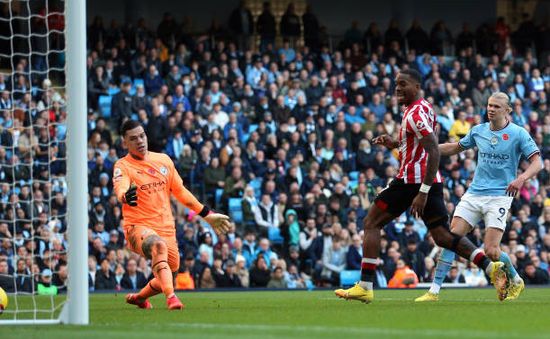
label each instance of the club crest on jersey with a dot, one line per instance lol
(494, 141)
(117, 175)
(420, 125)
(164, 170)
(151, 171)
(117, 172)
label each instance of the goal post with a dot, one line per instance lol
(77, 173)
(30, 307)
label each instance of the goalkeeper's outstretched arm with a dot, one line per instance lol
(219, 222)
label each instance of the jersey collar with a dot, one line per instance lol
(500, 129)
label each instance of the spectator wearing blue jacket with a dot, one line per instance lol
(153, 81)
(355, 253)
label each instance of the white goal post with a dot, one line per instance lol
(75, 309)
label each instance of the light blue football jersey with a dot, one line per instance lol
(499, 154)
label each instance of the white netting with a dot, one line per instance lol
(33, 208)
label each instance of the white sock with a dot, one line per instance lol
(367, 285)
(517, 279)
(434, 289)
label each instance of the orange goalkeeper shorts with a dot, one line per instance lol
(136, 235)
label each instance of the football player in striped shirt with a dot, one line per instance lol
(418, 186)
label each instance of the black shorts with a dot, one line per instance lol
(398, 197)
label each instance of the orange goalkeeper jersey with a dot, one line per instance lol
(156, 178)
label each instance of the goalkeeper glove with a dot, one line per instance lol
(131, 196)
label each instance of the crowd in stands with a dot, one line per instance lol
(277, 138)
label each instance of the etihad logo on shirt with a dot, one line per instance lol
(152, 186)
(494, 156)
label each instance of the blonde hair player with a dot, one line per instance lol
(500, 144)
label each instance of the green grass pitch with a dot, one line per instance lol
(461, 313)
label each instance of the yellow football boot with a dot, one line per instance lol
(499, 279)
(356, 293)
(514, 290)
(428, 296)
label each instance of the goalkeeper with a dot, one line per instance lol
(143, 182)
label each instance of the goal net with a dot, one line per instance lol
(39, 256)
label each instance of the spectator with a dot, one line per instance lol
(455, 276)
(132, 278)
(334, 262)
(45, 286)
(267, 214)
(475, 277)
(403, 277)
(355, 253)
(290, 23)
(265, 26)
(121, 105)
(105, 278)
(534, 275)
(259, 274)
(460, 128)
(206, 280)
(277, 279)
(6, 279)
(241, 271)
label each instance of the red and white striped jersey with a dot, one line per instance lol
(418, 121)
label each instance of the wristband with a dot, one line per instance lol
(424, 188)
(204, 212)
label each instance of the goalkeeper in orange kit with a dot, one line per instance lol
(143, 182)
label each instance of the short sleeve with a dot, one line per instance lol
(417, 124)
(468, 141)
(121, 179)
(528, 146)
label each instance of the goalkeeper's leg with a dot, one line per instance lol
(152, 288)
(156, 247)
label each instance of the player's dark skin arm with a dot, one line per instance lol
(429, 143)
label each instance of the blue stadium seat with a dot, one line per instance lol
(353, 175)
(235, 204)
(113, 90)
(349, 277)
(256, 183)
(236, 216)
(139, 82)
(105, 105)
(274, 235)
(218, 198)
(252, 128)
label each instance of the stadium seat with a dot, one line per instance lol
(274, 235)
(113, 90)
(252, 128)
(138, 82)
(235, 204)
(105, 105)
(349, 277)
(256, 183)
(218, 198)
(354, 175)
(236, 216)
